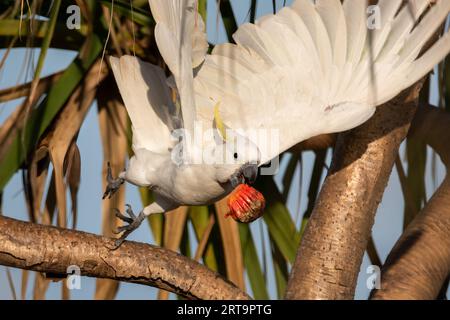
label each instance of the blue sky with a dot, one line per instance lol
(387, 229)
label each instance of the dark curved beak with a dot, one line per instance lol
(250, 172)
(247, 174)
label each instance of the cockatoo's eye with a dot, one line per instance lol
(235, 155)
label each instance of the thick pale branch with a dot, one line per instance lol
(420, 262)
(49, 249)
(335, 239)
(316, 143)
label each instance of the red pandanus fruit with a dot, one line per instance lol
(246, 204)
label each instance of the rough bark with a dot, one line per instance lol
(336, 237)
(419, 264)
(49, 249)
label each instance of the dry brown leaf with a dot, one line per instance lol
(14, 123)
(113, 119)
(204, 239)
(41, 282)
(174, 224)
(11, 284)
(24, 282)
(73, 176)
(107, 13)
(7, 51)
(59, 147)
(34, 185)
(40, 286)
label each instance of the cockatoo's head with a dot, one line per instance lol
(245, 158)
(240, 156)
(239, 160)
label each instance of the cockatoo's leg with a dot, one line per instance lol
(113, 184)
(159, 206)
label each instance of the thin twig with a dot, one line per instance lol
(106, 42)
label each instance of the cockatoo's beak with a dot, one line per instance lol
(250, 172)
(247, 174)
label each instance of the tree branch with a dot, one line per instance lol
(419, 264)
(336, 237)
(49, 249)
(321, 142)
(24, 90)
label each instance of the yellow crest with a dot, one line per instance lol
(219, 123)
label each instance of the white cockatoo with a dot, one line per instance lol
(310, 69)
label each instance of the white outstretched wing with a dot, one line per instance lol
(181, 40)
(317, 68)
(147, 100)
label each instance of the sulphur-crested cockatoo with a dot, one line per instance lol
(310, 69)
(193, 171)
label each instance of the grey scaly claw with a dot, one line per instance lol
(122, 217)
(130, 211)
(119, 230)
(113, 184)
(133, 223)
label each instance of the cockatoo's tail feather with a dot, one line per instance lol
(246, 204)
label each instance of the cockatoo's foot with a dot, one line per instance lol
(133, 223)
(113, 184)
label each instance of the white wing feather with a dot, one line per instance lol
(310, 17)
(402, 26)
(307, 70)
(333, 17)
(356, 17)
(147, 100)
(181, 40)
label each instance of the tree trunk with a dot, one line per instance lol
(336, 237)
(419, 264)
